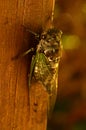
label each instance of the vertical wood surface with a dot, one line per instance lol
(19, 108)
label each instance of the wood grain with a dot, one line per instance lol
(15, 109)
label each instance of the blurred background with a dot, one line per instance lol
(70, 109)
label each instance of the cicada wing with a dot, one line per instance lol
(42, 69)
(48, 79)
(53, 94)
(52, 101)
(32, 69)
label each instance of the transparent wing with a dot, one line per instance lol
(32, 69)
(53, 95)
(48, 78)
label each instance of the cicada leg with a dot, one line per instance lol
(26, 52)
(35, 34)
(23, 54)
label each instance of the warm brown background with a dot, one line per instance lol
(70, 16)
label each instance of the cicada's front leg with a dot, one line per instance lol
(26, 52)
(23, 54)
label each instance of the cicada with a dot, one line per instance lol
(45, 62)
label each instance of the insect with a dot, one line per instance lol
(45, 62)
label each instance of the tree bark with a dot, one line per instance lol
(19, 108)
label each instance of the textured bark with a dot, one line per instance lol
(18, 110)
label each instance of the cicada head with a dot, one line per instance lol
(50, 43)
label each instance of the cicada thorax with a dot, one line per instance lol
(47, 57)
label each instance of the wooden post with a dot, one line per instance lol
(20, 110)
